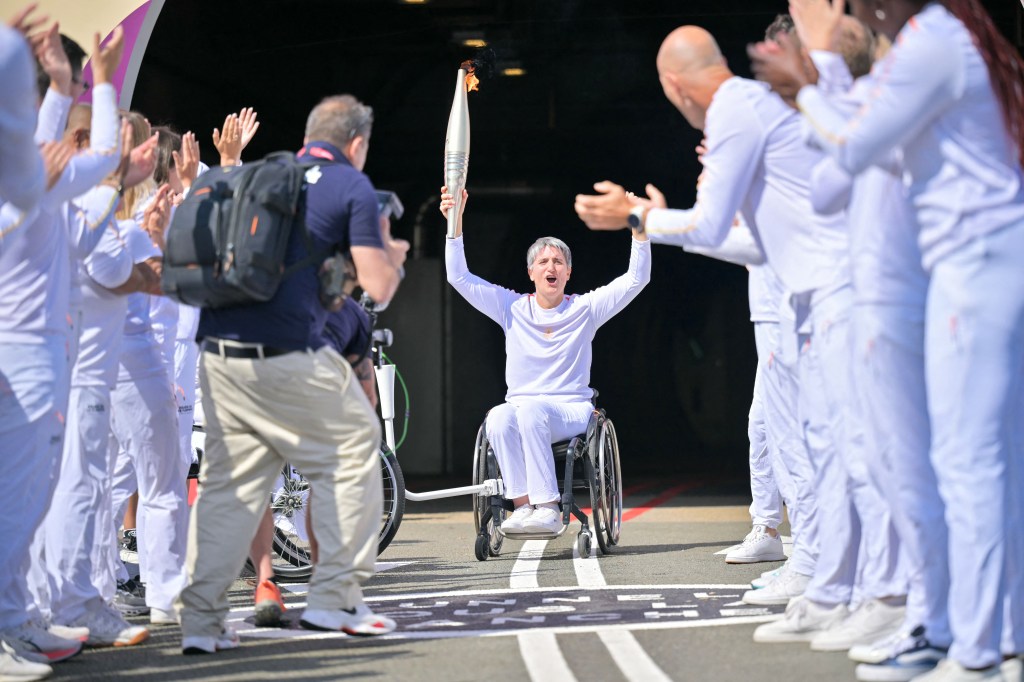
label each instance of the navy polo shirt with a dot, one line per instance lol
(340, 211)
(348, 330)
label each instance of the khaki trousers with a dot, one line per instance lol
(303, 408)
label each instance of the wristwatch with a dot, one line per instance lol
(635, 220)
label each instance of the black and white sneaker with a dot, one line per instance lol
(899, 658)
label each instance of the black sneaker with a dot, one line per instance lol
(130, 599)
(129, 541)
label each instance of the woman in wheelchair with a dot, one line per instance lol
(548, 337)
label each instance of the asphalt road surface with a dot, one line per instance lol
(663, 605)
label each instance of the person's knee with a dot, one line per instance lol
(501, 419)
(532, 416)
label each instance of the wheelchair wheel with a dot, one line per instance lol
(289, 501)
(608, 511)
(484, 467)
(394, 497)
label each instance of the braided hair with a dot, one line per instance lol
(1005, 65)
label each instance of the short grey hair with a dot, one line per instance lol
(338, 120)
(538, 246)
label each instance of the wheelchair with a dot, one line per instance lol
(590, 462)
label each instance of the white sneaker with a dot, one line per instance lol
(803, 620)
(872, 621)
(949, 670)
(544, 520)
(15, 668)
(514, 522)
(30, 638)
(787, 586)
(107, 627)
(227, 639)
(899, 658)
(164, 616)
(768, 577)
(1013, 669)
(81, 634)
(360, 621)
(897, 644)
(756, 547)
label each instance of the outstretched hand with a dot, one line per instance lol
(56, 156)
(235, 135)
(186, 162)
(24, 23)
(141, 163)
(608, 210)
(782, 65)
(54, 61)
(106, 59)
(817, 22)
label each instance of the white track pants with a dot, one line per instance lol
(766, 502)
(76, 519)
(186, 360)
(859, 544)
(144, 421)
(974, 354)
(889, 366)
(792, 464)
(522, 432)
(33, 402)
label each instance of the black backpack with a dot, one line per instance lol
(227, 241)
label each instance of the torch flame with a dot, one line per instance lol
(472, 82)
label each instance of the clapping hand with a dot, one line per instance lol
(24, 23)
(782, 65)
(817, 22)
(106, 59)
(187, 161)
(237, 132)
(54, 61)
(56, 156)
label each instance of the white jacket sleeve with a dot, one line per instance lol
(53, 116)
(89, 216)
(22, 177)
(610, 299)
(490, 299)
(735, 142)
(87, 169)
(920, 77)
(740, 246)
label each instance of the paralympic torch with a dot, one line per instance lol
(456, 145)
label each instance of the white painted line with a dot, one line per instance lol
(636, 665)
(588, 571)
(563, 588)
(524, 570)
(631, 658)
(543, 658)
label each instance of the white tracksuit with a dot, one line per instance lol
(37, 249)
(757, 164)
(934, 101)
(547, 367)
(144, 423)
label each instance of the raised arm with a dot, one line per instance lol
(22, 178)
(605, 302)
(490, 299)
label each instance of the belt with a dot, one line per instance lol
(253, 351)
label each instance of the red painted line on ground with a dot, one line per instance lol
(626, 492)
(658, 500)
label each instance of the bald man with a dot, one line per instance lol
(758, 165)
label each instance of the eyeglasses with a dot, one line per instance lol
(77, 80)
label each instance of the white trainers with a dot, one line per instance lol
(30, 638)
(872, 621)
(788, 585)
(899, 658)
(949, 670)
(14, 667)
(81, 634)
(1013, 669)
(107, 627)
(756, 547)
(227, 639)
(514, 522)
(164, 616)
(803, 620)
(768, 577)
(360, 621)
(543, 520)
